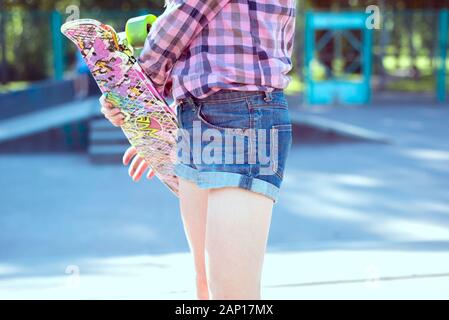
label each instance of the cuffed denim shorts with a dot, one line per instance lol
(234, 139)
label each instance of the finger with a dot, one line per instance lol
(117, 120)
(109, 116)
(109, 109)
(114, 111)
(134, 165)
(129, 154)
(108, 105)
(115, 116)
(117, 124)
(140, 170)
(150, 174)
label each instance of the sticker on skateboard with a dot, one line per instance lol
(150, 123)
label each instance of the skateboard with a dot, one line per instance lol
(150, 124)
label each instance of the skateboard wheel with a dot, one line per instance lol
(137, 29)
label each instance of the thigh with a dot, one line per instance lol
(236, 236)
(193, 205)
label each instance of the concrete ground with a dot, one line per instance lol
(355, 220)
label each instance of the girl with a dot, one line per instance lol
(225, 62)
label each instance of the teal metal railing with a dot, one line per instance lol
(443, 36)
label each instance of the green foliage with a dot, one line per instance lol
(13, 86)
(424, 84)
(28, 43)
(28, 33)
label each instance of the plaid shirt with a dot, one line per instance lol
(197, 47)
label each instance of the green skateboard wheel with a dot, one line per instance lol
(137, 29)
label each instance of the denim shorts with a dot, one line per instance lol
(234, 139)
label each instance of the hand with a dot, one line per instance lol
(111, 112)
(138, 165)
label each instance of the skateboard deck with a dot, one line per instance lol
(150, 123)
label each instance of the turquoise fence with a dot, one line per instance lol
(350, 83)
(442, 55)
(409, 52)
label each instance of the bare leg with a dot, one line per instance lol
(238, 223)
(193, 203)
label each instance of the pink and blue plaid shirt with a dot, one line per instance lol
(197, 47)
